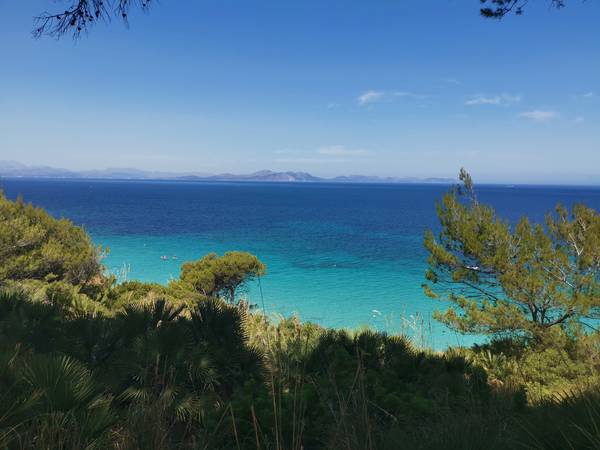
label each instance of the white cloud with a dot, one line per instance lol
(578, 119)
(452, 81)
(539, 115)
(409, 95)
(589, 95)
(340, 150)
(502, 99)
(370, 97)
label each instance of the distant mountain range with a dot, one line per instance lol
(18, 170)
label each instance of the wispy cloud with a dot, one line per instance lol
(452, 81)
(370, 97)
(502, 99)
(579, 119)
(409, 95)
(539, 115)
(583, 96)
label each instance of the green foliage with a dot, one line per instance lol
(570, 420)
(70, 297)
(34, 245)
(154, 364)
(557, 365)
(137, 292)
(87, 363)
(519, 280)
(158, 375)
(381, 381)
(214, 276)
(50, 401)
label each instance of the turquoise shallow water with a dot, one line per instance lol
(338, 255)
(335, 289)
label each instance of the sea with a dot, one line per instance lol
(340, 255)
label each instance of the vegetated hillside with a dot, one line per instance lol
(86, 362)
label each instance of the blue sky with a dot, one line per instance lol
(391, 87)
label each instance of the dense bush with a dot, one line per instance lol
(152, 364)
(164, 376)
(560, 364)
(155, 375)
(34, 245)
(220, 276)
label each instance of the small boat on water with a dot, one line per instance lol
(174, 257)
(164, 257)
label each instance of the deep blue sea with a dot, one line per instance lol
(341, 255)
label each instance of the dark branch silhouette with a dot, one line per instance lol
(500, 8)
(80, 15)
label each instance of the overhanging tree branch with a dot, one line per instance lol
(501, 8)
(82, 14)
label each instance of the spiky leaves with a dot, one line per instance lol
(165, 371)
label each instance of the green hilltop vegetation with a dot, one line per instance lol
(87, 362)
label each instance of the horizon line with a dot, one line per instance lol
(418, 182)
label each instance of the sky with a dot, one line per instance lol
(380, 87)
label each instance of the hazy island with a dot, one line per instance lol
(15, 169)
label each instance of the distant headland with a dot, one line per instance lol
(18, 170)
